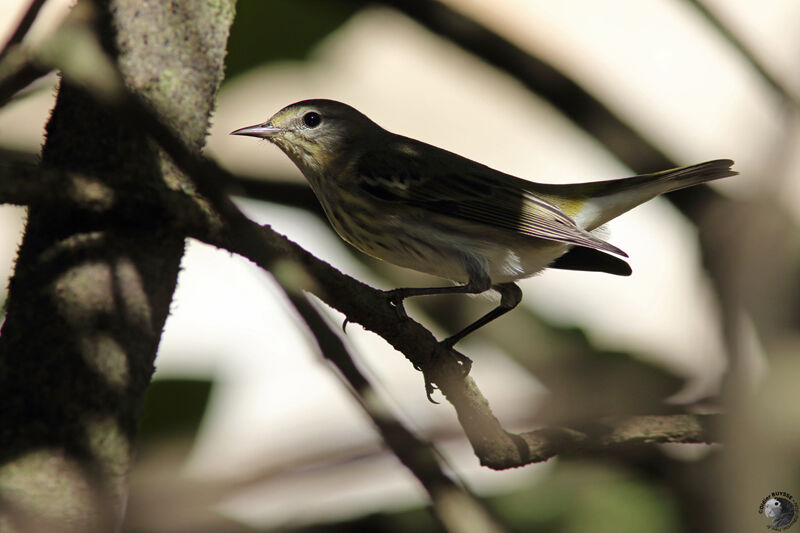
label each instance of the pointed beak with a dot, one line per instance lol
(263, 131)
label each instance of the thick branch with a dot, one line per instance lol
(91, 290)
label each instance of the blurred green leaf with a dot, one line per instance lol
(174, 407)
(265, 31)
(581, 497)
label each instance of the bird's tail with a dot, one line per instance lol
(673, 179)
(609, 199)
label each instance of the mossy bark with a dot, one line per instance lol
(90, 294)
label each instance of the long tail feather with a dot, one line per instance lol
(676, 178)
(606, 200)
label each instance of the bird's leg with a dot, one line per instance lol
(475, 285)
(510, 297)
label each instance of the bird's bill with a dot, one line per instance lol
(263, 131)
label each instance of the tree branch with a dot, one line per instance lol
(454, 506)
(493, 446)
(91, 291)
(620, 432)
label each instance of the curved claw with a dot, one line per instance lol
(429, 388)
(344, 324)
(465, 363)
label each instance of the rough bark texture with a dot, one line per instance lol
(90, 294)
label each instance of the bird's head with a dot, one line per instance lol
(317, 133)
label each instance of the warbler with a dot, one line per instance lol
(424, 208)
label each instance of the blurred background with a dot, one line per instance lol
(248, 429)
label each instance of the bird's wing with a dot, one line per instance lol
(456, 187)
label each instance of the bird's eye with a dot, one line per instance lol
(312, 119)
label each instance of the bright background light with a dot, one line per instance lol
(657, 64)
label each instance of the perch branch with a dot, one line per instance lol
(454, 506)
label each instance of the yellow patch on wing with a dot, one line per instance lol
(571, 206)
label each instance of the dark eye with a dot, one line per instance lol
(312, 119)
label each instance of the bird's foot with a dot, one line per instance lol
(449, 342)
(464, 361)
(395, 298)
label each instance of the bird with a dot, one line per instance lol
(425, 208)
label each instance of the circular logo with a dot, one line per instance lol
(781, 508)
